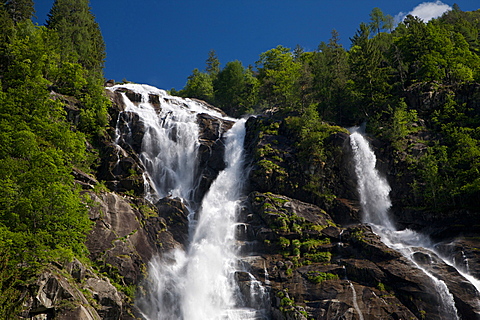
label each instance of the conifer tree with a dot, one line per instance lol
(79, 33)
(20, 10)
(213, 64)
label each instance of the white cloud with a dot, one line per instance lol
(425, 11)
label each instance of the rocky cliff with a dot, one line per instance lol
(302, 237)
(320, 261)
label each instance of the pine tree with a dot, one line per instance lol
(213, 64)
(20, 10)
(79, 33)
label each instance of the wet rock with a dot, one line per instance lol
(464, 293)
(211, 151)
(174, 211)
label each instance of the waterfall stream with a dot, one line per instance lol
(375, 203)
(197, 283)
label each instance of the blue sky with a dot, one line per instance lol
(160, 42)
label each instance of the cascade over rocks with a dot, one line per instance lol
(121, 168)
(317, 279)
(359, 259)
(305, 245)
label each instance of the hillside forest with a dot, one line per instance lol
(373, 81)
(53, 116)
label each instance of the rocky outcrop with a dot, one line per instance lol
(334, 271)
(211, 151)
(79, 294)
(315, 268)
(278, 166)
(301, 237)
(127, 233)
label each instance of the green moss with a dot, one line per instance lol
(267, 205)
(318, 257)
(311, 245)
(318, 277)
(270, 167)
(284, 242)
(381, 286)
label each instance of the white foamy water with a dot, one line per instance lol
(375, 202)
(198, 283)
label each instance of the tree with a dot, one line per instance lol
(20, 10)
(370, 71)
(213, 64)
(376, 19)
(380, 21)
(278, 75)
(79, 34)
(235, 88)
(331, 74)
(199, 85)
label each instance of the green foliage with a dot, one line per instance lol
(379, 21)
(318, 277)
(79, 34)
(43, 217)
(235, 89)
(20, 10)
(199, 85)
(279, 73)
(400, 124)
(10, 297)
(330, 71)
(213, 64)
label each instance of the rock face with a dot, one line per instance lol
(314, 267)
(319, 267)
(78, 295)
(304, 244)
(211, 151)
(124, 237)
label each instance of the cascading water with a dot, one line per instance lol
(198, 283)
(375, 202)
(170, 143)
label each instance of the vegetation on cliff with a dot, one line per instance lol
(378, 80)
(44, 134)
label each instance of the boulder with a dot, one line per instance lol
(53, 296)
(106, 295)
(176, 213)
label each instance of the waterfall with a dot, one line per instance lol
(375, 203)
(170, 143)
(355, 302)
(197, 283)
(374, 189)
